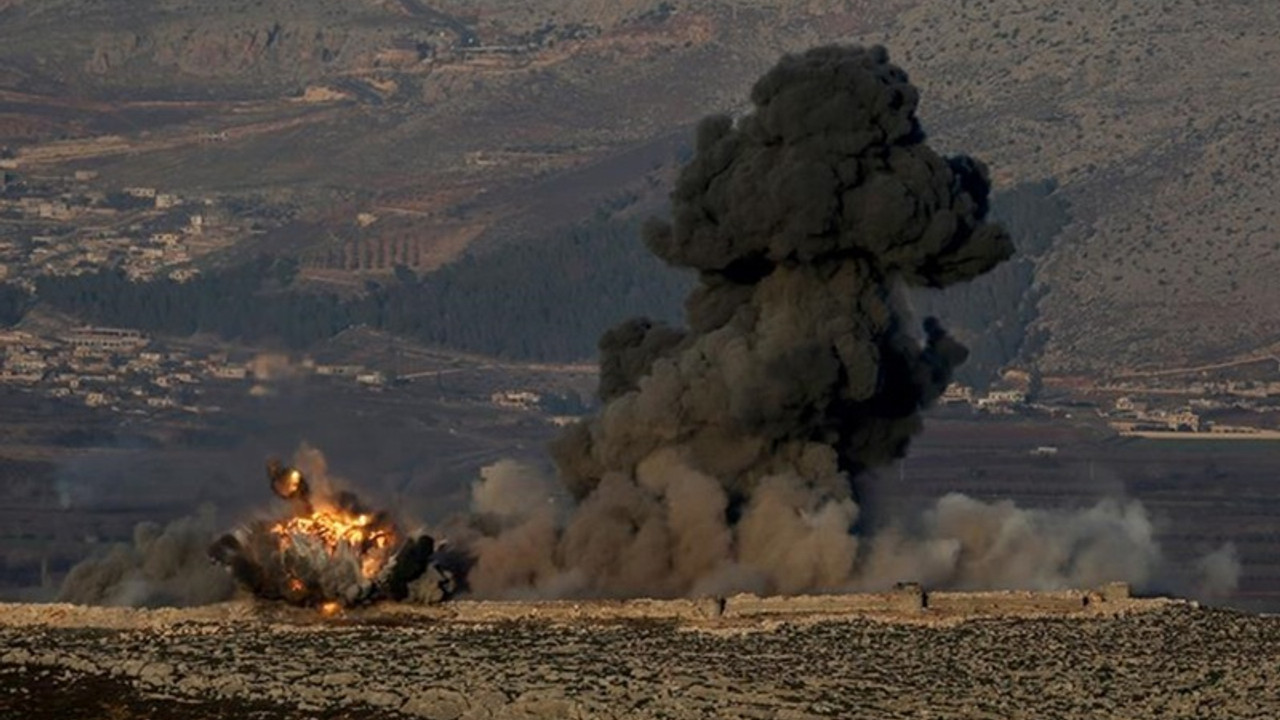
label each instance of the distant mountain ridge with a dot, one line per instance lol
(1155, 123)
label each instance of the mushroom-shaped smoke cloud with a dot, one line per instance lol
(727, 452)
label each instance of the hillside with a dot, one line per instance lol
(464, 127)
(1156, 120)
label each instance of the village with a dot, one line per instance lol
(75, 224)
(72, 224)
(1159, 407)
(125, 371)
(121, 370)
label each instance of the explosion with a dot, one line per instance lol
(330, 552)
(727, 454)
(327, 529)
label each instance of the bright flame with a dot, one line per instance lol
(289, 484)
(336, 529)
(330, 608)
(328, 552)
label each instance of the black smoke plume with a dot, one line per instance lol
(800, 218)
(728, 451)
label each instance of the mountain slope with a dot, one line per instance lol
(1158, 123)
(474, 125)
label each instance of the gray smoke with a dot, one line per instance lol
(727, 452)
(1214, 575)
(162, 567)
(969, 544)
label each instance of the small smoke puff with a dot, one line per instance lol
(1217, 574)
(510, 491)
(312, 463)
(272, 367)
(314, 466)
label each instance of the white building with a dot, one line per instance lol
(516, 399)
(230, 372)
(104, 338)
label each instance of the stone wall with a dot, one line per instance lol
(907, 603)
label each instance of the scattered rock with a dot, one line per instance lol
(437, 704)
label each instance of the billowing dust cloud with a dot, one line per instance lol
(163, 566)
(968, 544)
(729, 451)
(727, 455)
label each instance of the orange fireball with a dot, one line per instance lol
(369, 536)
(330, 551)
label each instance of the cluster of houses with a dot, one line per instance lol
(516, 399)
(70, 226)
(1134, 409)
(996, 400)
(122, 370)
(1130, 415)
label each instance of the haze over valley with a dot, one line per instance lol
(396, 231)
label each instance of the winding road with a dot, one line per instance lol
(466, 36)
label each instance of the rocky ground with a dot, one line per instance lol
(1171, 660)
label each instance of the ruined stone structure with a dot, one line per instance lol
(381, 253)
